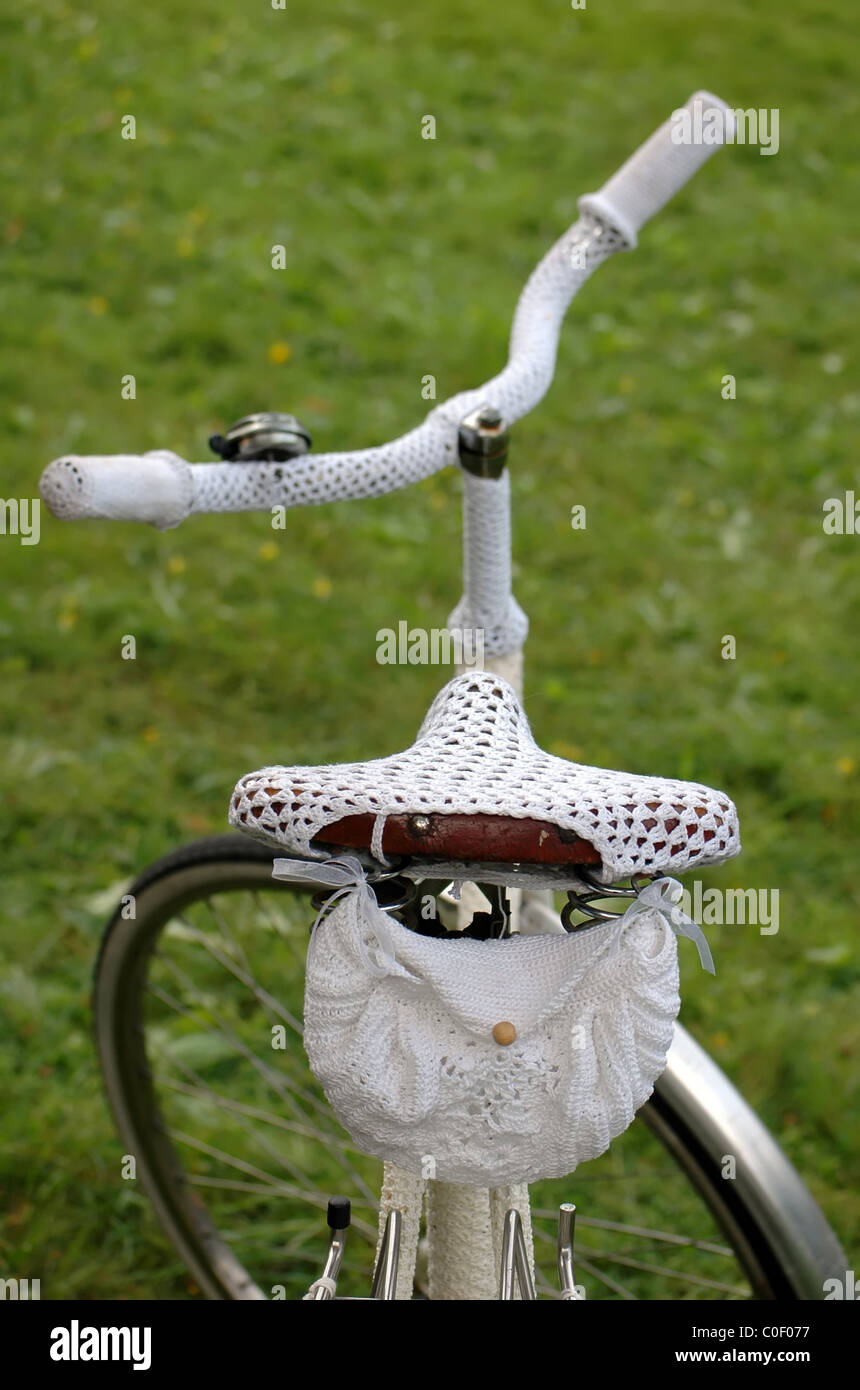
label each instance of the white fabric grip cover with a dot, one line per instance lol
(157, 487)
(399, 1031)
(659, 168)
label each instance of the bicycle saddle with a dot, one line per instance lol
(475, 785)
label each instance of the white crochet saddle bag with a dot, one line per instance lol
(489, 1062)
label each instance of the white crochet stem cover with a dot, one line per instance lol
(487, 604)
(502, 1199)
(464, 1238)
(475, 753)
(403, 1192)
(459, 1243)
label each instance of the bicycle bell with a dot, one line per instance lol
(266, 435)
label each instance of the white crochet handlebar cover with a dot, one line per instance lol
(78, 486)
(129, 488)
(163, 489)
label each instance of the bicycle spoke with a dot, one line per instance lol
(224, 928)
(288, 936)
(244, 1113)
(241, 1165)
(204, 1092)
(261, 1067)
(327, 1137)
(642, 1232)
(606, 1280)
(267, 1000)
(236, 1185)
(697, 1279)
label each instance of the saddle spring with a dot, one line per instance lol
(583, 900)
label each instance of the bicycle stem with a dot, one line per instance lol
(487, 611)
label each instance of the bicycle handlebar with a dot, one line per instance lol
(163, 489)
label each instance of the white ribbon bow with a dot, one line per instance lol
(663, 895)
(346, 875)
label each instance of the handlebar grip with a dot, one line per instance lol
(662, 166)
(156, 487)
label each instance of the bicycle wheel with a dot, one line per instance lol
(197, 1006)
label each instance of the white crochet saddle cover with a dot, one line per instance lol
(475, 753)
(399, 1030)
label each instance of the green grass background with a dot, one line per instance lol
(405, 257)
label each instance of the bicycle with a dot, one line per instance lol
(180, 1010)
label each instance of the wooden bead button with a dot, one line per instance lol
(505, 1034)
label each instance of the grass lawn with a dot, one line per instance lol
(257, 127)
